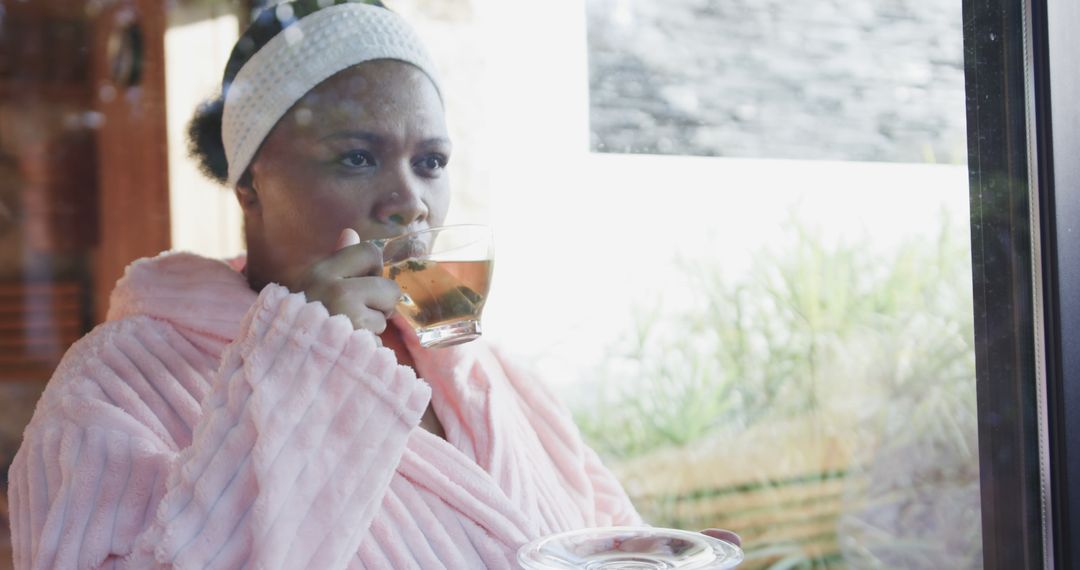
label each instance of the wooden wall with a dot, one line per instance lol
(131, 142)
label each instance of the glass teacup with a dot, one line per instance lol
(444, 274)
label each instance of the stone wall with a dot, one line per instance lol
(869, 80)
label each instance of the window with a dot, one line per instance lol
(801, 270)
(736, 239)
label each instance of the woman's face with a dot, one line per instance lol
(366, 149)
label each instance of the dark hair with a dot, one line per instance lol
(204, 130)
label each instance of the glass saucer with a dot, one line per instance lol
(625, 548)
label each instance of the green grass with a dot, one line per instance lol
(878, 342)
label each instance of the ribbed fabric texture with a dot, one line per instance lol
(300, 57)
(205, 427)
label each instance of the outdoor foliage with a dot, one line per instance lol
(872, 345)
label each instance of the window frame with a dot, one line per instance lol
(1019, 87)
(1057, 87)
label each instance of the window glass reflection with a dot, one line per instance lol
(808, 360)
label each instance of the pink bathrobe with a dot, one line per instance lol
(203, 426)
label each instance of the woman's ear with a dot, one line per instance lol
(246, 193)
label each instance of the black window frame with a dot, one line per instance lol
(1057, 90)
(1025, 213)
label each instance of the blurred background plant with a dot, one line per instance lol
(828, 390)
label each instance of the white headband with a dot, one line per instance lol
(300, 57)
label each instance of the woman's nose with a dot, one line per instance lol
(402, 204)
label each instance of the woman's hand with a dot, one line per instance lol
(349, 282)
(725, 535)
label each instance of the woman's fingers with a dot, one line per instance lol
(359, 259)
(349, 282)
(366, 301)
(368, 319)
(375, 293)
(725, 535)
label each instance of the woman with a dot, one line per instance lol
(272, 413)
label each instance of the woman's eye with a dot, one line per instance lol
(432, 162)
(357, 158)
